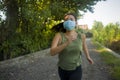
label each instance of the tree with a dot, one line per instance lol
(108, 36)
(60, 7)
(97, 30)
(28, 22)
(8, 29)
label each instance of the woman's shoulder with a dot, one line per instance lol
(59, 35)
(80, 31)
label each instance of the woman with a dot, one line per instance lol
(69, 46)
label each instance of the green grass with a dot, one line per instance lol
(112, 62)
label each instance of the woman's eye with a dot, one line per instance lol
(72, 19)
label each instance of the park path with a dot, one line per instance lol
(97, 71)
(42, 66)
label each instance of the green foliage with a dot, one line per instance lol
(89, 34)
(107, 35)
(60, 7)
(98, 31)
(28, 23)
(112, 62)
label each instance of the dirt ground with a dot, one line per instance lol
(97, 71)
(42, 66)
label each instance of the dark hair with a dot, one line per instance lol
(59, 27)
(72, 15)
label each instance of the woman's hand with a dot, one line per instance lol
(90, 60)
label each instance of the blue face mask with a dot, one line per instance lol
(69, 25)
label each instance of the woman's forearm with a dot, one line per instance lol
(58, 49)
(87, 54)
(86, 50)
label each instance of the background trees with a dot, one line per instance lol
(26, 28)
(108, 35)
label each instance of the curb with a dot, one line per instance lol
(109, 50)
(25, 59)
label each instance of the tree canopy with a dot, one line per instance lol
(27, 25)
(108, 35)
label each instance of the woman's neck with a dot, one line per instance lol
(70, 32)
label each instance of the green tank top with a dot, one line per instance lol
(70, 57)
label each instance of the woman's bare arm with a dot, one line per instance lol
(86, 49)
(55, 48)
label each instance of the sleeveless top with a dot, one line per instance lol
(70, 57)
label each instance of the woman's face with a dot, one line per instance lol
(69, 17)
(69, 23)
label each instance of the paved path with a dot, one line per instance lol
(42, 66)
(97, 71)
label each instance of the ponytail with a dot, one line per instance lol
(59, 28)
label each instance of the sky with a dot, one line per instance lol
(105, 11)
(2, 15)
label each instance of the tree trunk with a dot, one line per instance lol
(9, 29)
